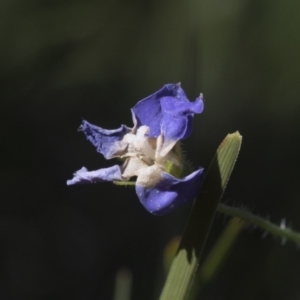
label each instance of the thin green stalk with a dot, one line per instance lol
(280, 231)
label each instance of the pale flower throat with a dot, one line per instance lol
(143, 158)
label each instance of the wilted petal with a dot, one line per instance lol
(170, 193)
(169, 114)
(148, 111)
(172, 128)
(107, 142)
(181, 105)
(178, 116)
(107, 174)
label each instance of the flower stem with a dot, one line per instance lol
(280, 231)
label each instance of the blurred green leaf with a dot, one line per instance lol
(222, 247)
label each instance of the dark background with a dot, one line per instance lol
(61, 61)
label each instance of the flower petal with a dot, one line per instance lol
(148, 111)
(106, 174)
(178, 116)
(181, 105)
(167, 113)
(107, 142)
(170, 192)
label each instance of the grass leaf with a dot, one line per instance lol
(187, 259)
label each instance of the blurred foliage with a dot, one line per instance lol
(64, 60)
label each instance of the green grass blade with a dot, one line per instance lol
(185, 263)
(217, 256)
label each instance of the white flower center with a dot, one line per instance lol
(142, 157)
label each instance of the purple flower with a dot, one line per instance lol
(150, 150)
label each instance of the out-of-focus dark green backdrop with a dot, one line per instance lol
(61, 61)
